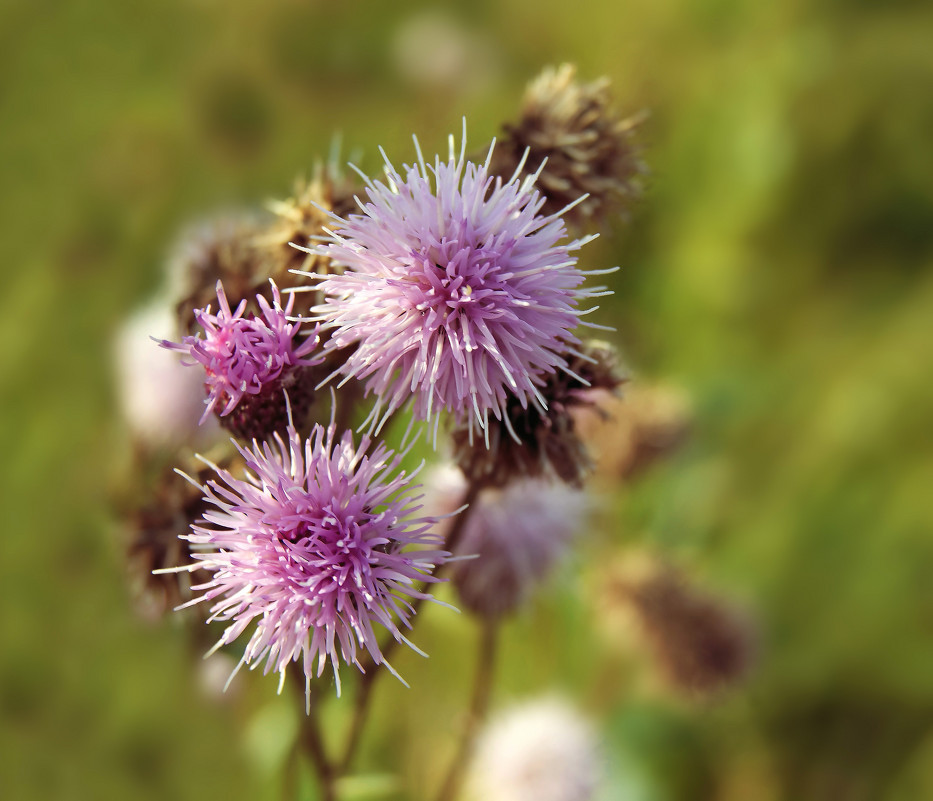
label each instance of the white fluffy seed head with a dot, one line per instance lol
(539, 751)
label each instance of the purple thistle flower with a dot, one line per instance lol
(512, 539)
(457, 291)
(315, 545)
(244, 355)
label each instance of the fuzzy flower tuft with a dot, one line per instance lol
(543, 750)
(457, 291)
(244, 356)
(316, 545)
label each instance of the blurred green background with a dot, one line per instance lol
(778, 270)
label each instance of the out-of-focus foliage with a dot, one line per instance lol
(778, 270)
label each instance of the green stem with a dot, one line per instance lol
(371, 669)
(312, 741)
(479, 704)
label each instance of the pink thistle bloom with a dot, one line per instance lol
(457, 291)
(315, 545)
(244, 355)
(512, 539)
(518, 534)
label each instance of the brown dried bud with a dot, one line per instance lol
(154, 528)
(589, 150)
(244, 251)
(633, 432)
(547, 441)
(223, 249)
(701, 643)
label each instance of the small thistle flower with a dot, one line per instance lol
(701, 643)
(250, 359)
(315, 546)
(587, 148)
(540, 751)
(545, 442)
(457, 291)
(517, 535)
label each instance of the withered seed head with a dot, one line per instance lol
(548, 444)
(154, 527)
(299, 220)
(222, 249)
(701, 643)
(648, 424)
(589, 149)
(244, 252)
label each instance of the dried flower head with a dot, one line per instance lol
(222, 249)
(633, 432)
(457, 291)
(300, 220)
(587, 148)
(540, 751)
(154, 528)
(517, 535)
(545, 442)
(701, 643)
(252, 358)
(315, 545)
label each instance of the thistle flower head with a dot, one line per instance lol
(244, 356)
(315, 546)
(516, 535)
(160, 399)
(459, 293)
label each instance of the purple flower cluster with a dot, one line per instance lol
(457, 292)
(315, 545)
(458, 295)
(244, 355)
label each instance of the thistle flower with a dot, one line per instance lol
(568, 132)
(250, 358)
(315, 545)
(542, 442)
(457, 290)
(516, 536)
(540, 751)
